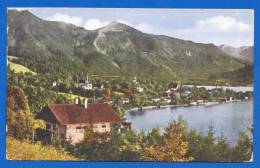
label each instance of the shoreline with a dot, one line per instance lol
(180, 105)
(157, 107)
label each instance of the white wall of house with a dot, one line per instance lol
(75, 132)
(102, 127)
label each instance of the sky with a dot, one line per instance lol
(233, 27)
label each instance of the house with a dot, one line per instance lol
(171, 90)
(124, 100)
(54, 84)
(139, 89)
(101, 86)
(167, 100)
(126, 91)
(225, 99)
(186, 94)
(85, 84)
(70, 120)
(166, 94)
(199, 100)
(173, 87)
(156, 99)
(135, 80)
(108, 101)
(178, 95)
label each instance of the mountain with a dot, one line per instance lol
(116, 49)
(245, 52)
(242, 77)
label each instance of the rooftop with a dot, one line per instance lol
(75, 114)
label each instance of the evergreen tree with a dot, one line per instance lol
(20, 120)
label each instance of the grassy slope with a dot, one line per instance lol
(17, 68)
(71, 96)
(19, 150)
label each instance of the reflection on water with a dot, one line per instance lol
(137, 112)
(228, 119)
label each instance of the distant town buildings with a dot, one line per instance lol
(54, 84)
(200, 100)
(135, 80)
(124, 100)
(139, 89)
(85, 84)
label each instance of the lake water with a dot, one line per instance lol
(235, 88)
(228, 119)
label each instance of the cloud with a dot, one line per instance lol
(147, 28)
(218, 30)
(125, 22)
(222, 24)
(66, 18)
(20, 9)
(93, 24)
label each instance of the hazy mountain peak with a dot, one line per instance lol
(21, 13)
(116, 26)
(243, 52)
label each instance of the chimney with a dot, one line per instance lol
(86, 103)
(76, 100)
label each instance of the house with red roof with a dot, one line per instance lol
(124, 100)
(200, 100)
(70, 120)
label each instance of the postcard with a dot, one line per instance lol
(130, 85)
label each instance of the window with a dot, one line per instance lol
(104, 126)
(48, 126)
(55, 127)
(95, 126)
(78, 129)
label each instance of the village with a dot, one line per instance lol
(103, 105)
(120, 93)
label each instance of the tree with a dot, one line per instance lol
(107, 94)
(223, 150)
(243, 149)
(88, 134)
(20, 120)
(172, 147)
(154, 136)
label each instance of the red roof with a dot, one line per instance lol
(199, 98)
(173, 86)
(76, 114)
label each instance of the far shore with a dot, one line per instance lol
(179, 105)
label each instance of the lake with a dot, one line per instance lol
(228, 119)
(234, 88)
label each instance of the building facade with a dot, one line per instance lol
(69, 121)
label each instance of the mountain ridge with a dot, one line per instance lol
(115, 49)
(243, 52)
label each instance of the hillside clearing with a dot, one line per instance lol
(20, 150)
(71, 96)
(17, 68)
